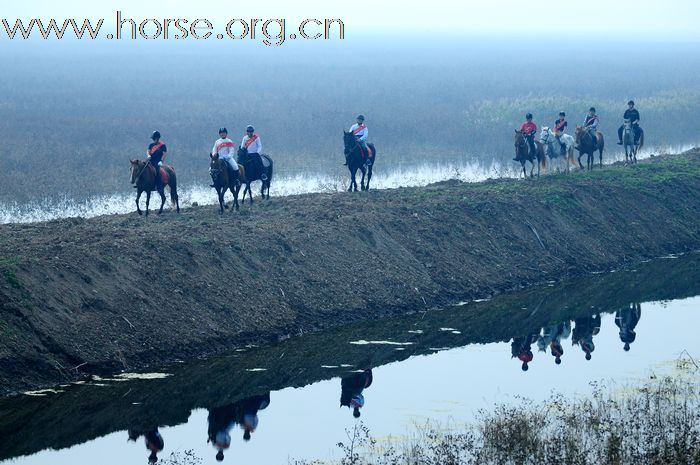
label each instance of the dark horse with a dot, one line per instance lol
(523, 154)
(222, 181)
(584, 144)
(143, 176)
(356, 161)
(249, 173)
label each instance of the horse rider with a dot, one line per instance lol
(631, 115)
(252, 143)
(529, 129)
(360, 131)
(559, 128)
(591, 126)
(225, 149)
(156, 153)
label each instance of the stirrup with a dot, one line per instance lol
(263, 177)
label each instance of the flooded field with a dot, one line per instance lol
(275, 404)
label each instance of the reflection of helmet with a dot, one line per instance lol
(155, 135)
(528, 116)
(250, 129)
(361, 117)
(557, 360)
(222, 440)
(525, 367)
(357, 401)
(220, 456)
(627, 347)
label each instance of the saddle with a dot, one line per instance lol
(164, 177)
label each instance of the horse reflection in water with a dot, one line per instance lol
(585, 329)
(552, 336)
(351, 391)
(626, 319)
(223, 419)
(153, 439)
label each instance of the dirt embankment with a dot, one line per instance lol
(118, 292)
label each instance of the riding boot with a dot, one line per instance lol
(237, 178)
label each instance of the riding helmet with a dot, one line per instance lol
(528, 116)
(592, 109)
(250, 129)
(561, 113)
(155, 135)
(360, 117)
(223, 130)
(631, 102)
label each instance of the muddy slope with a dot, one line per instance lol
(123, 292)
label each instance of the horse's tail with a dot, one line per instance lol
(270, 170)
(173, 189)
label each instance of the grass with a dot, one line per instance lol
(655, 423)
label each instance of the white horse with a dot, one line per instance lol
(554, 149)
(631, 146)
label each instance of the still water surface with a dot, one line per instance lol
(443, 366)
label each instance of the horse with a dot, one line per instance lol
(584, 144)
(554, 150)
(144, 179)
(356, 161)
(631, 146)
(223, 182)
(522, 154)
(265, 173)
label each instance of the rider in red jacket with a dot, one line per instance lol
(529, 130)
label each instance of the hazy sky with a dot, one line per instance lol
(629, 19)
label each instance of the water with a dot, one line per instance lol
(419, 174)
(442, 365)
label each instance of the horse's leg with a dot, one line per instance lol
(148, 200)
(580, 154)
(236, 191)
(369, 175)
(250, 193)
(522, 163)
(352, 179)
(162, 200)
(138, 197)
(220, 195)
(362, 181)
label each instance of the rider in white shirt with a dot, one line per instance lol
(360, 131)
(251, 141)
(226, 150)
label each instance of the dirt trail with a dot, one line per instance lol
(123, 292)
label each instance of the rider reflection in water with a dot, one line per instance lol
(521, 348)
(585, 329)
(223, 419)
(154, 441)
(351, 391)
(627, 319)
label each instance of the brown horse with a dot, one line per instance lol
(223, 182)
(523, 154)
(143, 176)
(584, 144)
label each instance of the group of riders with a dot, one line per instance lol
(590, 125)
(249, 151)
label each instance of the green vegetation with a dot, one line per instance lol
(94, 112)
(655, 423)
